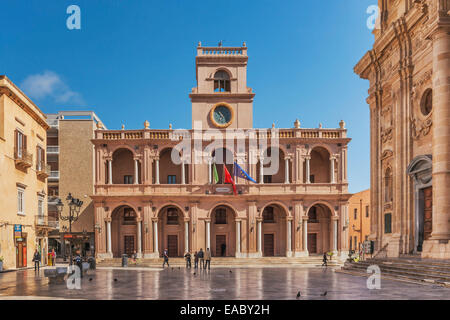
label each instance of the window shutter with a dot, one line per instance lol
(24, 142)
(37, 158)
(16, 133)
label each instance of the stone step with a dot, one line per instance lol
(408, 266)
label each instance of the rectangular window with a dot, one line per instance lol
(40, 206)
(20, 144)
(20, 201)
(221, 216)
(367, 211)
(388, 223)
(171, 179)
(355, 214)
(128, 179)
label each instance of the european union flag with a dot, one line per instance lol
(239, 172)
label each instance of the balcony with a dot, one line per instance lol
(54, 176)
(23, 158)
(220, 189)
(43, 170)
(52, 149)
(46, 222)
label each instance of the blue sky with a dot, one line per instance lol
(134, 60)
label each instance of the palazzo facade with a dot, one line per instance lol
(409, 96)
(164, 189)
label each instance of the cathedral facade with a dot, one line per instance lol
(224, 185)
(409, 99)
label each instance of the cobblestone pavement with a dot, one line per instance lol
(254, 283)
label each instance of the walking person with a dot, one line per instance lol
(201, 256)
(325, 260)
(166, 257)
(37, 260)
(208, 259)
(53, 257)
(195, 260)
(187, 256)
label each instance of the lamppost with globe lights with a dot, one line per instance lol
(74, 211)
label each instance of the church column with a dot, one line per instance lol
(286, 170)
(441, 143)
(108, 232)
(155, 239)
(183, 175)
(308, 173)
(238, 238)
(332, 175)
(289, 237)
(335, 232)
(259, 222)
(261, 170)
(139, 238)
(109, 171)
(208, 234)
(136, 171)
(305, 234)
(186, 236)
(157, 171)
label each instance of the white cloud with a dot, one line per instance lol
(50, 84)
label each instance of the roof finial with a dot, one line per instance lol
(244, 44)
(220, 43)
(123, 127)
(199, 44)
(297, 124)
(342, 124)
(170, 126)
(146, 124)
(273, 125)
(320, 125)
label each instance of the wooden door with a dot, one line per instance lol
(312, 242)
(19, 255)
(269, 250)
(428, 212)
(172, 245)
(221, 244)
(128, 245)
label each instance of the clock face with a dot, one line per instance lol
(222, 115)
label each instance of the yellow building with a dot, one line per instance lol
(23, 172)
(359, 219)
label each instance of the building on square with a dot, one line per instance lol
(359, 219)
(409, 70)
(70, 155)
(24, 223)
(161, 189)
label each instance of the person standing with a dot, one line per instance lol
(223, 248)
(195, 260)
(324, 260)
(208, 259)
(53, 257)
(201, 256)
(37, 260)
(187, 256)
(166, 257)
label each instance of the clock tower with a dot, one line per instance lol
(222, 99)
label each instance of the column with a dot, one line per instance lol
(308, 173)
(108, 230)
(289, 238)
(139, 239)
(441, 144)
(183, 175)
(136, 171)
(261, 170)
(335, 233)
(156, 171)
(286, 170)
(333, 179)
(186, 236)
(155, 240)
(305, 234)
(208, 234)
(109, 171)
(209, 171)
(238, 239)
(260, 237)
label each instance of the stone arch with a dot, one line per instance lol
(320, 171)
(274, 216)
(321, 202)
(319, 145)
(122, 146)
(223, 230)
(169, 172)
(171, 232)
(170, 204)
(124, 230)
(279, 203)
(320, 224)
(123, 170)
(224, 204)
(121, 204)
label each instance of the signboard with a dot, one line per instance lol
(223, 189)
(17, 228)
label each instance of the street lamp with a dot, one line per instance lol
(74, 211)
